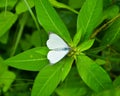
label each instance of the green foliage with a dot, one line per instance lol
(92, 74)
(44, 7)
(44, 81)
(91, 28)
(21, 7)
(7, 3)
(7, 19)
(112, 34)
(5, 74)
(33, 59)
(89, 17)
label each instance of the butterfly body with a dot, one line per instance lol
(61, 49)
(58, 48)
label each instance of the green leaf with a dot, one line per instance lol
(21, 6)
(3, 67)
(7, 79)
(47, 80)
(7, 3)
(89, 17)
(112, 34)
(92, 74)
(50, 20)
(7, 19)
(100, 61)
(62, 5)
(112, 92)
(32, 60)
(66, 68)
(86, 45)
(76, 3)
(96, 50)
(77, 37)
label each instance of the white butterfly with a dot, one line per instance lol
(58, 48)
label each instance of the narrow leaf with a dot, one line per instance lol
(62, 5)
(50, 20)
(66, 68)
(77, 37)
(92, 74)
(86, 45)
(89, 17)
(10, 3)
(32, 60)
(47, 80)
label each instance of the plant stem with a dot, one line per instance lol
(22, 23)
(33, 16)
(104, 25)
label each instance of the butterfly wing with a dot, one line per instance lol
(55, 56)
(55, 42)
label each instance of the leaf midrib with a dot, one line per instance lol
(46, 83)
(90, 16)
(49, 16)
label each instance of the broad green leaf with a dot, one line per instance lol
(7, 3)
(32, 60)
(86, 45)
(47, 80)
(92, 74)
(66, 68)
(50, 20)
(7, 19)
(21, 6)
(6, 79)
(112, 34)
(76, 3)
(89, 17)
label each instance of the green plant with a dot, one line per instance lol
(89, 68)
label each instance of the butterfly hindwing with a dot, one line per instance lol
(55, 56)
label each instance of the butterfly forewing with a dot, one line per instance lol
(55, 56)
(55, 42)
